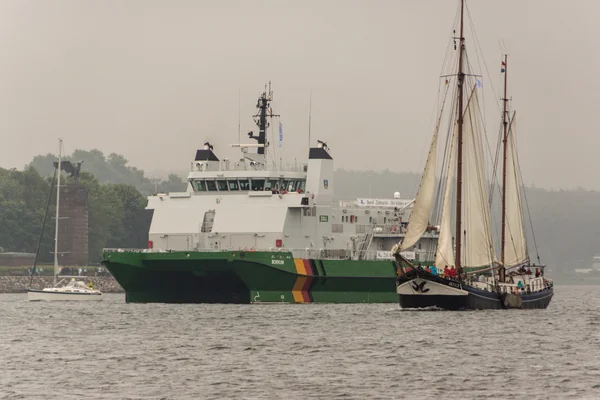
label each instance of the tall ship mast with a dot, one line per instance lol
(253, 228)
(466, 273)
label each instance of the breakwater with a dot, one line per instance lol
(20, 284)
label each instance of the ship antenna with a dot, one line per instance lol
(239, 116)
(504, 70)
(309, 115)
(461, 78)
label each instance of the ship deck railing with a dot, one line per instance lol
(228, 165)
(306, 253)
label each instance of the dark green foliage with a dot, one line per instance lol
(115, 214)
(112, 169)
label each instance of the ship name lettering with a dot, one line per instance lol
(277, 262)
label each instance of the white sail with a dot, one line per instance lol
(444, 256)
(419, 216)
(515, 245)
(478, 246)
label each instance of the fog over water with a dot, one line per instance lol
(153, 79)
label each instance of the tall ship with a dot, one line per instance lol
(255, 230)
(467, 272)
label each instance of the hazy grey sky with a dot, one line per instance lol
(154, 79)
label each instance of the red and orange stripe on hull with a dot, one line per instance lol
(301, 290)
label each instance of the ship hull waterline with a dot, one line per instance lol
(249, 277)
(421, 290)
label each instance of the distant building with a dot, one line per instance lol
(596, 263)
(17, 259)
(595, 266)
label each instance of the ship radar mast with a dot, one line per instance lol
(265, 111)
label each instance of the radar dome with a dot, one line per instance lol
(396, 195)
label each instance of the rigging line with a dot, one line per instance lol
(439, 102)
(494, 185)
(480, 178)
(527, 206)
(445, 159)
(510, 233)
(434, 137)
(39, 243)
(478, 47)
(496, 163)
(485, 136)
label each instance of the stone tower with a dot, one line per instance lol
(73, 220)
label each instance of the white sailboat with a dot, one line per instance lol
(467, 248)
(65, 289)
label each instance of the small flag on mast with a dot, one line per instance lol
(478, 83)
(503, 67)
(280, 134)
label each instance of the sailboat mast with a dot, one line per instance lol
(461, 78)
(504, 145)
(57, 207)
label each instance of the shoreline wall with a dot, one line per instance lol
(20, 284)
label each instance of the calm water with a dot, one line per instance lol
(116, 350)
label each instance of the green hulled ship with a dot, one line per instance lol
(250, 231)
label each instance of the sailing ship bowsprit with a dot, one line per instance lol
(481, 280)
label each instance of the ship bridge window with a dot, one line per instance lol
(199, 186)
(285, 184)
(244, 184)
(299, 186)
(222, 185)
(302, 186)
(233, 185)
(258, 184)
(271, 184)
(291, 186)
(211, 185)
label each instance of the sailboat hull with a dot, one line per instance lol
(424, 290)
(46, 295)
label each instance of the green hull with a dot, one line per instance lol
(249, 277)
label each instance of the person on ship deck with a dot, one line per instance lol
(453, 272)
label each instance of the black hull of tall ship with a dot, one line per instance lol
(420, 289)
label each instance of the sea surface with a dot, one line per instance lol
(113, 350)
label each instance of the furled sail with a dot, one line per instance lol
(515, 246)
(478, 247)
(419, 216)
(444, 256)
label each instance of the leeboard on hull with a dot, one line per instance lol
(45, 295)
